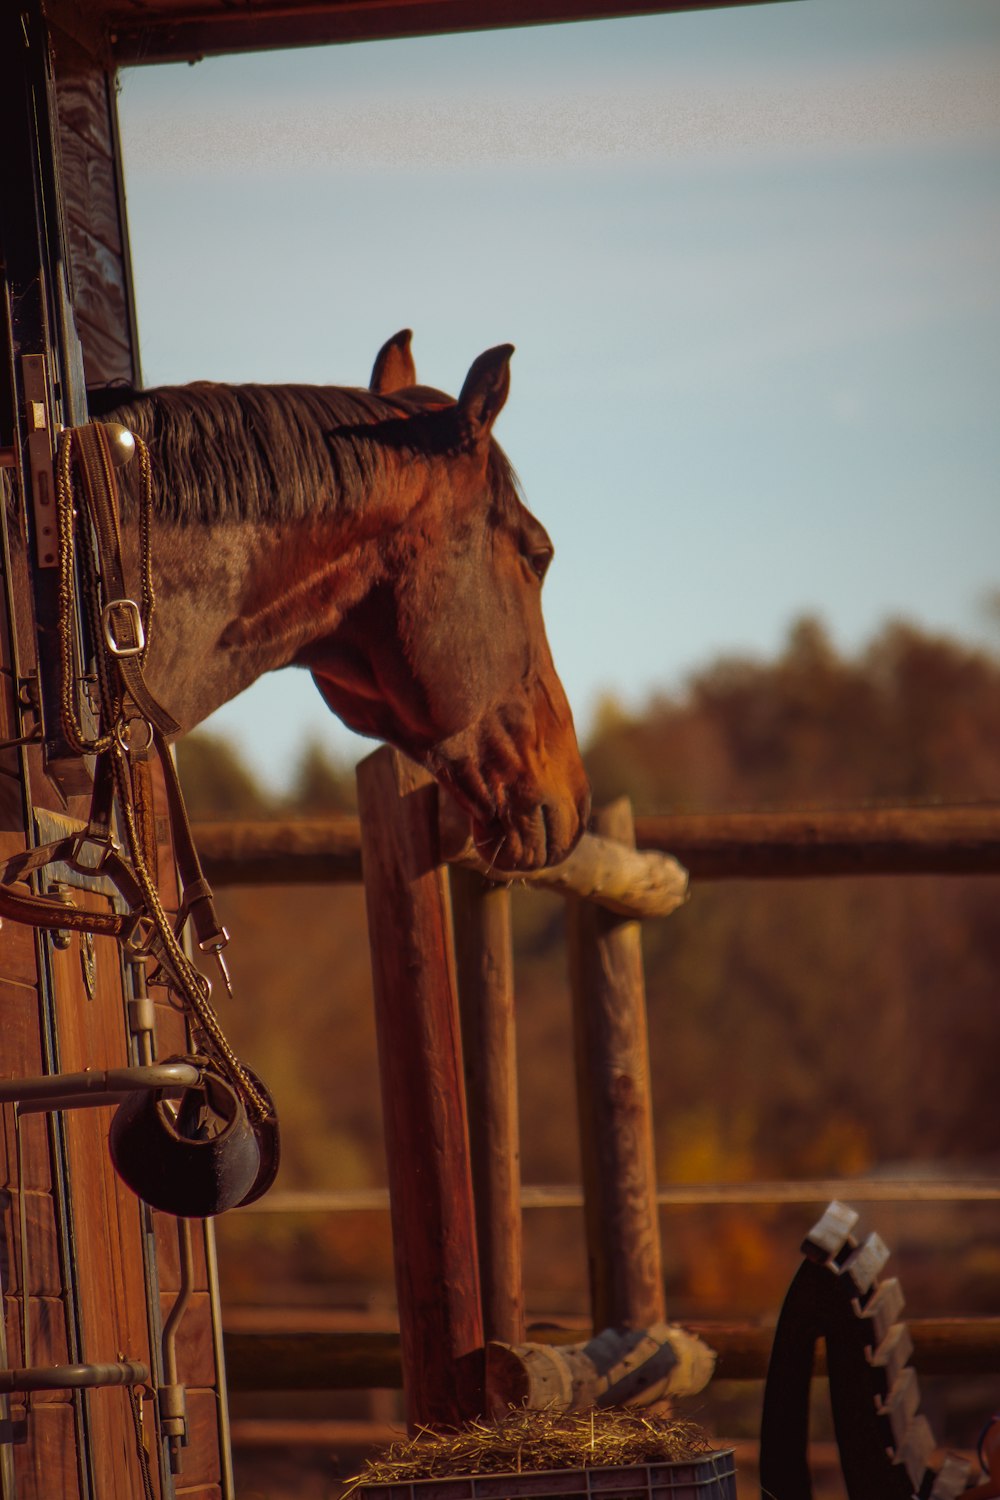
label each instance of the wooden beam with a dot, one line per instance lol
(960, 840)
(185, 30)
(306, 851)
(485, 967)
(957, 840)
(614, 1105)
(423, 1092)
(363, 1361)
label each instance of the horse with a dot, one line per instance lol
(377, 538)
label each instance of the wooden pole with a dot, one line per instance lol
(799, 844)
(484, 959)
(711, 846)
(613, 1099)
(423, 1095)
(352, 1361)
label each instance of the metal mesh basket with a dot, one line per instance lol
(709, 1477)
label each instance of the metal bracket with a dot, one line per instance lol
(54, 1091)
(74, 1377)
(40, 442)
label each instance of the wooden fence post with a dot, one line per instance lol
(481, 913)
(613, 1099)
(423, 1095)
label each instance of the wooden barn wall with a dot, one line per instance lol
(102, 1271)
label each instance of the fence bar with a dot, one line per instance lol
(679, 1195)
(856, 841)
(485, 967)
(328, 850)
(308, 851)
(423, 1093)
(614, 1105)
(712, 846)
(362, 1361)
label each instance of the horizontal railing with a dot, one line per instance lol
(945, 840)
(359, 1359)
(677, 1195)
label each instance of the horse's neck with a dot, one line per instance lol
(233, 601)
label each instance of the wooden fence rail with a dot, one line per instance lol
(962, 840)
(443, 988)
(360, 1360)
(812, 1192)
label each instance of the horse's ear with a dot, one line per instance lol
(484, 393)
(394, 368)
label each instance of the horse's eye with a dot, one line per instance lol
(538, 560)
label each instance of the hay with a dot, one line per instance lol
(523, 1441)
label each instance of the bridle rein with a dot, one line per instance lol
(130, 726)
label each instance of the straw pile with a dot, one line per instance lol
(523, 1441)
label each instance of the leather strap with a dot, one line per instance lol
(44, 911)
(120, 615)
(196, 900)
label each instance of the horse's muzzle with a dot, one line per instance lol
(525, 793)
(532, 835)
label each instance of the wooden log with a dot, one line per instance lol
(614, 1106)
(624, 880)
(355, 1361)
(423, 1093)
(854, 841)
(308, 851)
(485, 968)
(317, 850)
(711, 846)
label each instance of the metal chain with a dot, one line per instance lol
(135, 1406)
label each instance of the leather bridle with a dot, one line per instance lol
(118, 841)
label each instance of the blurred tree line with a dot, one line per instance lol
(797, 1029)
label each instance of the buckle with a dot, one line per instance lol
(135, 629)
(140, 938)
(215, 942)
(103, 847)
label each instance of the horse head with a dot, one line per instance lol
(445, 654)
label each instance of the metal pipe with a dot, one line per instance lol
(52, 1090)
(22, 1221)
(172, 1396)
(74, 1377)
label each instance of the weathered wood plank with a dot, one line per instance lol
(614, 1105)
(200, 1468)
(850, 841)
(47, 1464)
(485, 968)
(423, 1092)
(106, 1216)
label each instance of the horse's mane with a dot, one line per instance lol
(278, 452)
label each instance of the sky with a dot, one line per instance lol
(749, 261)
